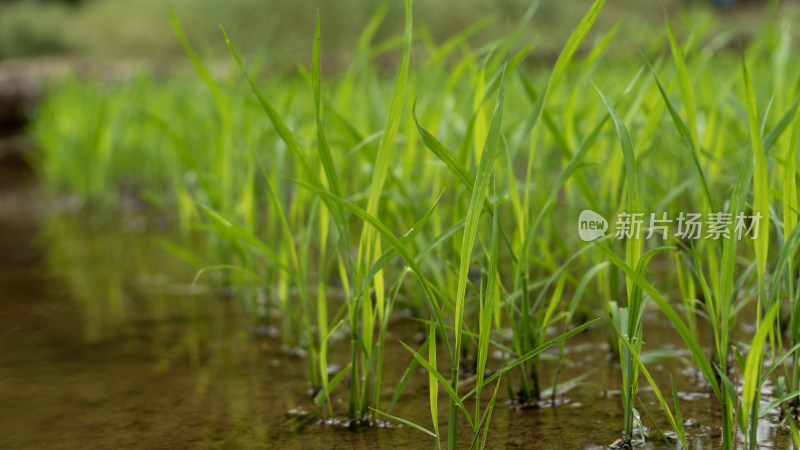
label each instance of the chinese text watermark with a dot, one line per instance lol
(592, 225)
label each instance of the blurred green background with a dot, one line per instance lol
(281, 30)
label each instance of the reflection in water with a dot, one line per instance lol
(124, 351)
(128, 353)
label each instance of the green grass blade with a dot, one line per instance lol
(728, 262)
(633, 246)
(325, 392)
(383, 157)
(752, 369)
(687, 95)
(442, 152)
(459, 38)
(390, 253)
(676, 425)
(777, 131)
(433, 384)
(777, 363)
(782, 263)
(285, 134)
(489, 410)
(574, 42)
(527, 356)
(486, 308)
(778, 401)
(474, 211)
(226, 226)
(760, 179)
(199, 67)
(401, 385)
(685, 133)
(572, 45)
(450, 390)
(680, 429)
(672, 315)
(322, 139)
(369, 248)
(394, 241)
(242, 270)
(582, 285)
(791, 206)
(406, 422)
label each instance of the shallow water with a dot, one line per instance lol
(104, 344)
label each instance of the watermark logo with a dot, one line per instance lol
(591, 225)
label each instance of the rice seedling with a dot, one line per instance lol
(721, 295)
(628, 321)
(328, 202)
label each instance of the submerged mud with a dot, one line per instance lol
(105, 343)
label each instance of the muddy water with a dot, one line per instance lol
(104, 344)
